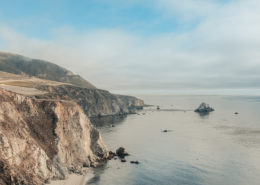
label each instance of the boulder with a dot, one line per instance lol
(111, 155)
(121, 152)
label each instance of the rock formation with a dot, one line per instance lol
(44, 139)
(204, 108)
(94, 102)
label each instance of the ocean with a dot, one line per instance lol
(221, 148)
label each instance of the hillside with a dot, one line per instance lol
(17, 64)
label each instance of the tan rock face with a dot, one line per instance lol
(42, 139)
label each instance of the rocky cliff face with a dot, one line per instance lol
(94, 102)
(44, 139)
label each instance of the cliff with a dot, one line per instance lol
(94, 102)
(44, 139)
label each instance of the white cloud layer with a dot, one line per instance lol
(222, 51)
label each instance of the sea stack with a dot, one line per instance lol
(204, 108)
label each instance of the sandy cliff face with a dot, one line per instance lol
(94, 102)
(44, 139)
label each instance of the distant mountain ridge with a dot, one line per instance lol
(17, 64)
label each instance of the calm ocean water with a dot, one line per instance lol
(216, 149)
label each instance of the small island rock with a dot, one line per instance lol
(204, 108)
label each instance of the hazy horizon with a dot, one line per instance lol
(143, 47)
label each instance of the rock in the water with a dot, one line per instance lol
(111, 155)
(236, 113)
(166, 131)
(204, 108)
(123, 160)
(121, 152)
(134, 162)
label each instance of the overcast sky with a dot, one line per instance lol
(142, 46)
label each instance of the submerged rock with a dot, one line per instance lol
(134, 162)
(236, 113)
(204, 108)
(166, 130)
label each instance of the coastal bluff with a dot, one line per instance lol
(45, 139)
(94, 102)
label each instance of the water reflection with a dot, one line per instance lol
(203, 115)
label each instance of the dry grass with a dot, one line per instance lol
(28, 84)
(25, 81)
(9, 75)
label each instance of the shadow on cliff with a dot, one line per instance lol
(106, 121)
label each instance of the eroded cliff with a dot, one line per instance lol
(94, 102)
(44, 139)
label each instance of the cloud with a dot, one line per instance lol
(221, 52)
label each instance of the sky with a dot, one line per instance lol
(142, 46)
